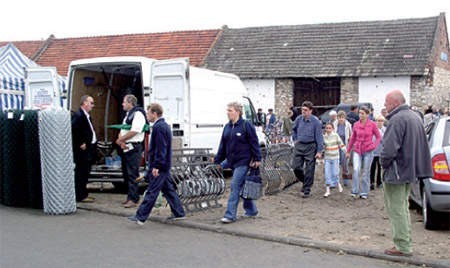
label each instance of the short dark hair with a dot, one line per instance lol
(365, 109)
(353, 107)
(155, 108)
(308, 104)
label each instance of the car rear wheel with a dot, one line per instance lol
(430, 217)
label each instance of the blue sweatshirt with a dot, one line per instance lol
(160, 149)
(238, 145)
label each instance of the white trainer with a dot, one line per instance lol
(226, 220)
(327, 192)
(340, 188)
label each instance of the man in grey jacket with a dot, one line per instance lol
(405, 157)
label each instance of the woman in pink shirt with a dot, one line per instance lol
(362, 144)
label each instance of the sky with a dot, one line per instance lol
(37, 20)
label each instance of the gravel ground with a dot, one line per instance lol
(338, 219)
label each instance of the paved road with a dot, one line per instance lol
(89, 239)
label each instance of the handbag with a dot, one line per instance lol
(252, 188)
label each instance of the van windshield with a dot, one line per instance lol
(248, 111)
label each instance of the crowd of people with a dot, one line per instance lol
(388, 151)
(360, 131)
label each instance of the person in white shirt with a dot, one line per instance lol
(131, 143)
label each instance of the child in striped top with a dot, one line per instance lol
(332, 144)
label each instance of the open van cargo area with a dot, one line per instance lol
(107, 84)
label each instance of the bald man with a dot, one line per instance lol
(405, 157)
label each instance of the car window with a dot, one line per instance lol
(429, 129)
(447, 133)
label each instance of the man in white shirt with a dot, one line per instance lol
(131, 142)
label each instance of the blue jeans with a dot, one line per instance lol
(237, 182)
(164, 184)
(331, 172)
(364, 160)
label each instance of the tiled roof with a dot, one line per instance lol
(395, 47)
(194, 45)
(28, 48)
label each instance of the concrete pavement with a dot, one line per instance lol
(110, 204)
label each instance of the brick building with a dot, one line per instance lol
(284, 65)
(339, 62)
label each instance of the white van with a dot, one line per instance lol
(194, 99)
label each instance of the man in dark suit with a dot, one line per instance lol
(158, 174)
(83, 141)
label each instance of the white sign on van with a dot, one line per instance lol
(41, 89)
(41, 95)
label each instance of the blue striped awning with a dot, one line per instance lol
(12, 77)
(13, 62)
(11, 101)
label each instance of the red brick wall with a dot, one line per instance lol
(442, 44)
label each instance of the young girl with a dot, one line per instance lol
(332, 143)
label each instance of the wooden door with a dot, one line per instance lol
(324, 93)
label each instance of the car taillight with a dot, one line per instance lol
(440, 167)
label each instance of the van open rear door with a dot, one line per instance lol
(42, 88)
(170, 88)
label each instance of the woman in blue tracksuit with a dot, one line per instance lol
(239, 147)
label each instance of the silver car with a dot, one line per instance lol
(433, 194)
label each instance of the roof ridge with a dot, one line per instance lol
(339, 23)
(137, 34)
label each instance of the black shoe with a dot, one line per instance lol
(173, 218)
(372, 187)
(306, 195)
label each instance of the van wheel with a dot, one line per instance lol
(430, 217)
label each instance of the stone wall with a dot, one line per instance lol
(435, 93)
(349, 89)
(441, 87)
(284, 96)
